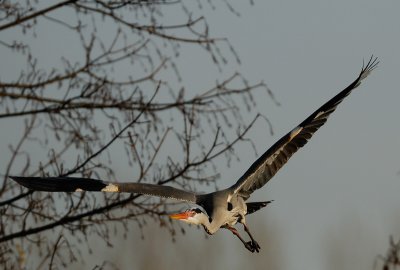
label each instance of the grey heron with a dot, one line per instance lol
(224, 208)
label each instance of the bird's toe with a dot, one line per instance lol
(249, 246)
(256, 246)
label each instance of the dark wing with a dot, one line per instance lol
(71, 184)
(255, 206)
(271, 161)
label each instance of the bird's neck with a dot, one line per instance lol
(210, 227)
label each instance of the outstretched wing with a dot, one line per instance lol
(271, 161)
(71, 184)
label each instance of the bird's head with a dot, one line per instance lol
(192, 216)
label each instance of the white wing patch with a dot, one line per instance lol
(110, 188)
(319, 114)
(294, 132)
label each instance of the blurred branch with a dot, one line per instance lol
(39, 13)
(392, 259)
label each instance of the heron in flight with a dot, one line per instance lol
(224, 208)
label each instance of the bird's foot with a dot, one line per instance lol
(253, 246)
(249, 246)
(256, 246)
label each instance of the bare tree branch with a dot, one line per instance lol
(114, 99)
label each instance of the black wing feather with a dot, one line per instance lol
(60, 184)
(255, 206)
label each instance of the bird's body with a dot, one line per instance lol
(228, 212)
(224, 208)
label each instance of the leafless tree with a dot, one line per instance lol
(111, 97)
(391, 261)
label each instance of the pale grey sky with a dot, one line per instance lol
(342, 188)
(338, 196)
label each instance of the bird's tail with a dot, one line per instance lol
(255, 206)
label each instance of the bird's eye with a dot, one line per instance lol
(198, 211)
(230, 206)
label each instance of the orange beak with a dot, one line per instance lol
(183, 215)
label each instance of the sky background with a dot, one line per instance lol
(337, 200)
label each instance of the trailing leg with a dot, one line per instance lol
(249, 245)
(255, 245)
